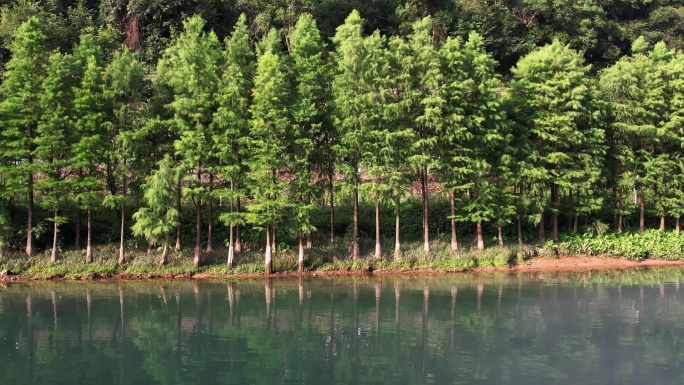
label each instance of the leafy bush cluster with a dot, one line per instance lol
(636, 246)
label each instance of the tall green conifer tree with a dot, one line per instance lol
(635, 92)
(20, 112)
(159, 218)
(269, 124)
(349, 88)
(556, 91)
(54, 141)
(486, 138)
(429, 106)
(310, 104)
(400, 135)
(124, 94)
(91, 147)
(231, 125)
(191, 69)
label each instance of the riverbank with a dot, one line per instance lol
(325, 261)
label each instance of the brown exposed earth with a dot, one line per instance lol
(587, 263)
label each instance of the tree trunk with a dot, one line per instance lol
(642, 215)
(554, 217)
(122, 253)
(575, 224)
(210, 214)
(55, 235)
(77, 237)
(500, 232)
(309, 240)
(198, 224)
(300, 264)
(677, 228)
(267, 258)
(355, 241)
(619, 226)
(454, 239)
(378, 248)
(238, 238)
(179, 207)
(426, 222)
(331, 188)
(542, 231)
(89, 246)
(397, 239)
(198, 233)
(274, 241)
(165, 252)
(480, 238)
(520, 235)
(122, 230)
(662, 219)
(231, 250)
(29, 224)
(620, 220)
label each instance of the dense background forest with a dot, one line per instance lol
(280, 122)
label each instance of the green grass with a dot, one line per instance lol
(335, 258)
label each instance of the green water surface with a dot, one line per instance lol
(622, 327)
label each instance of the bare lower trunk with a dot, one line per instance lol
(397, 239)
(332, 207)
(642, 215)
(309, 240)
(480, 238)
(454, 239)
(55, 236)
(677, 228)
(122, 230)
(198, 233)
(267, 257)
(554, 215)
(210, 222)
(662, 220)
(89, 235)
(500, 233)
(575, 224)
(300, 261)
(77, 237)
(197, 260)
(238, 237)
(165, 252)
(231, 228)
(426, 222)
(378, 248)
(274, 243)
(542, 231)
(355, 241)
(29, 225)
(520, 236)
(620, 220)
(179, 207)
(231, 250)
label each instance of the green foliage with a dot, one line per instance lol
(652, 244)
(159, 217)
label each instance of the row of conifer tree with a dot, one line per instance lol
(275, 128)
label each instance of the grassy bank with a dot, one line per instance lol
(328, 259)
(335, 259)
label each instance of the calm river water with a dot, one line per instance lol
(621, 327)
